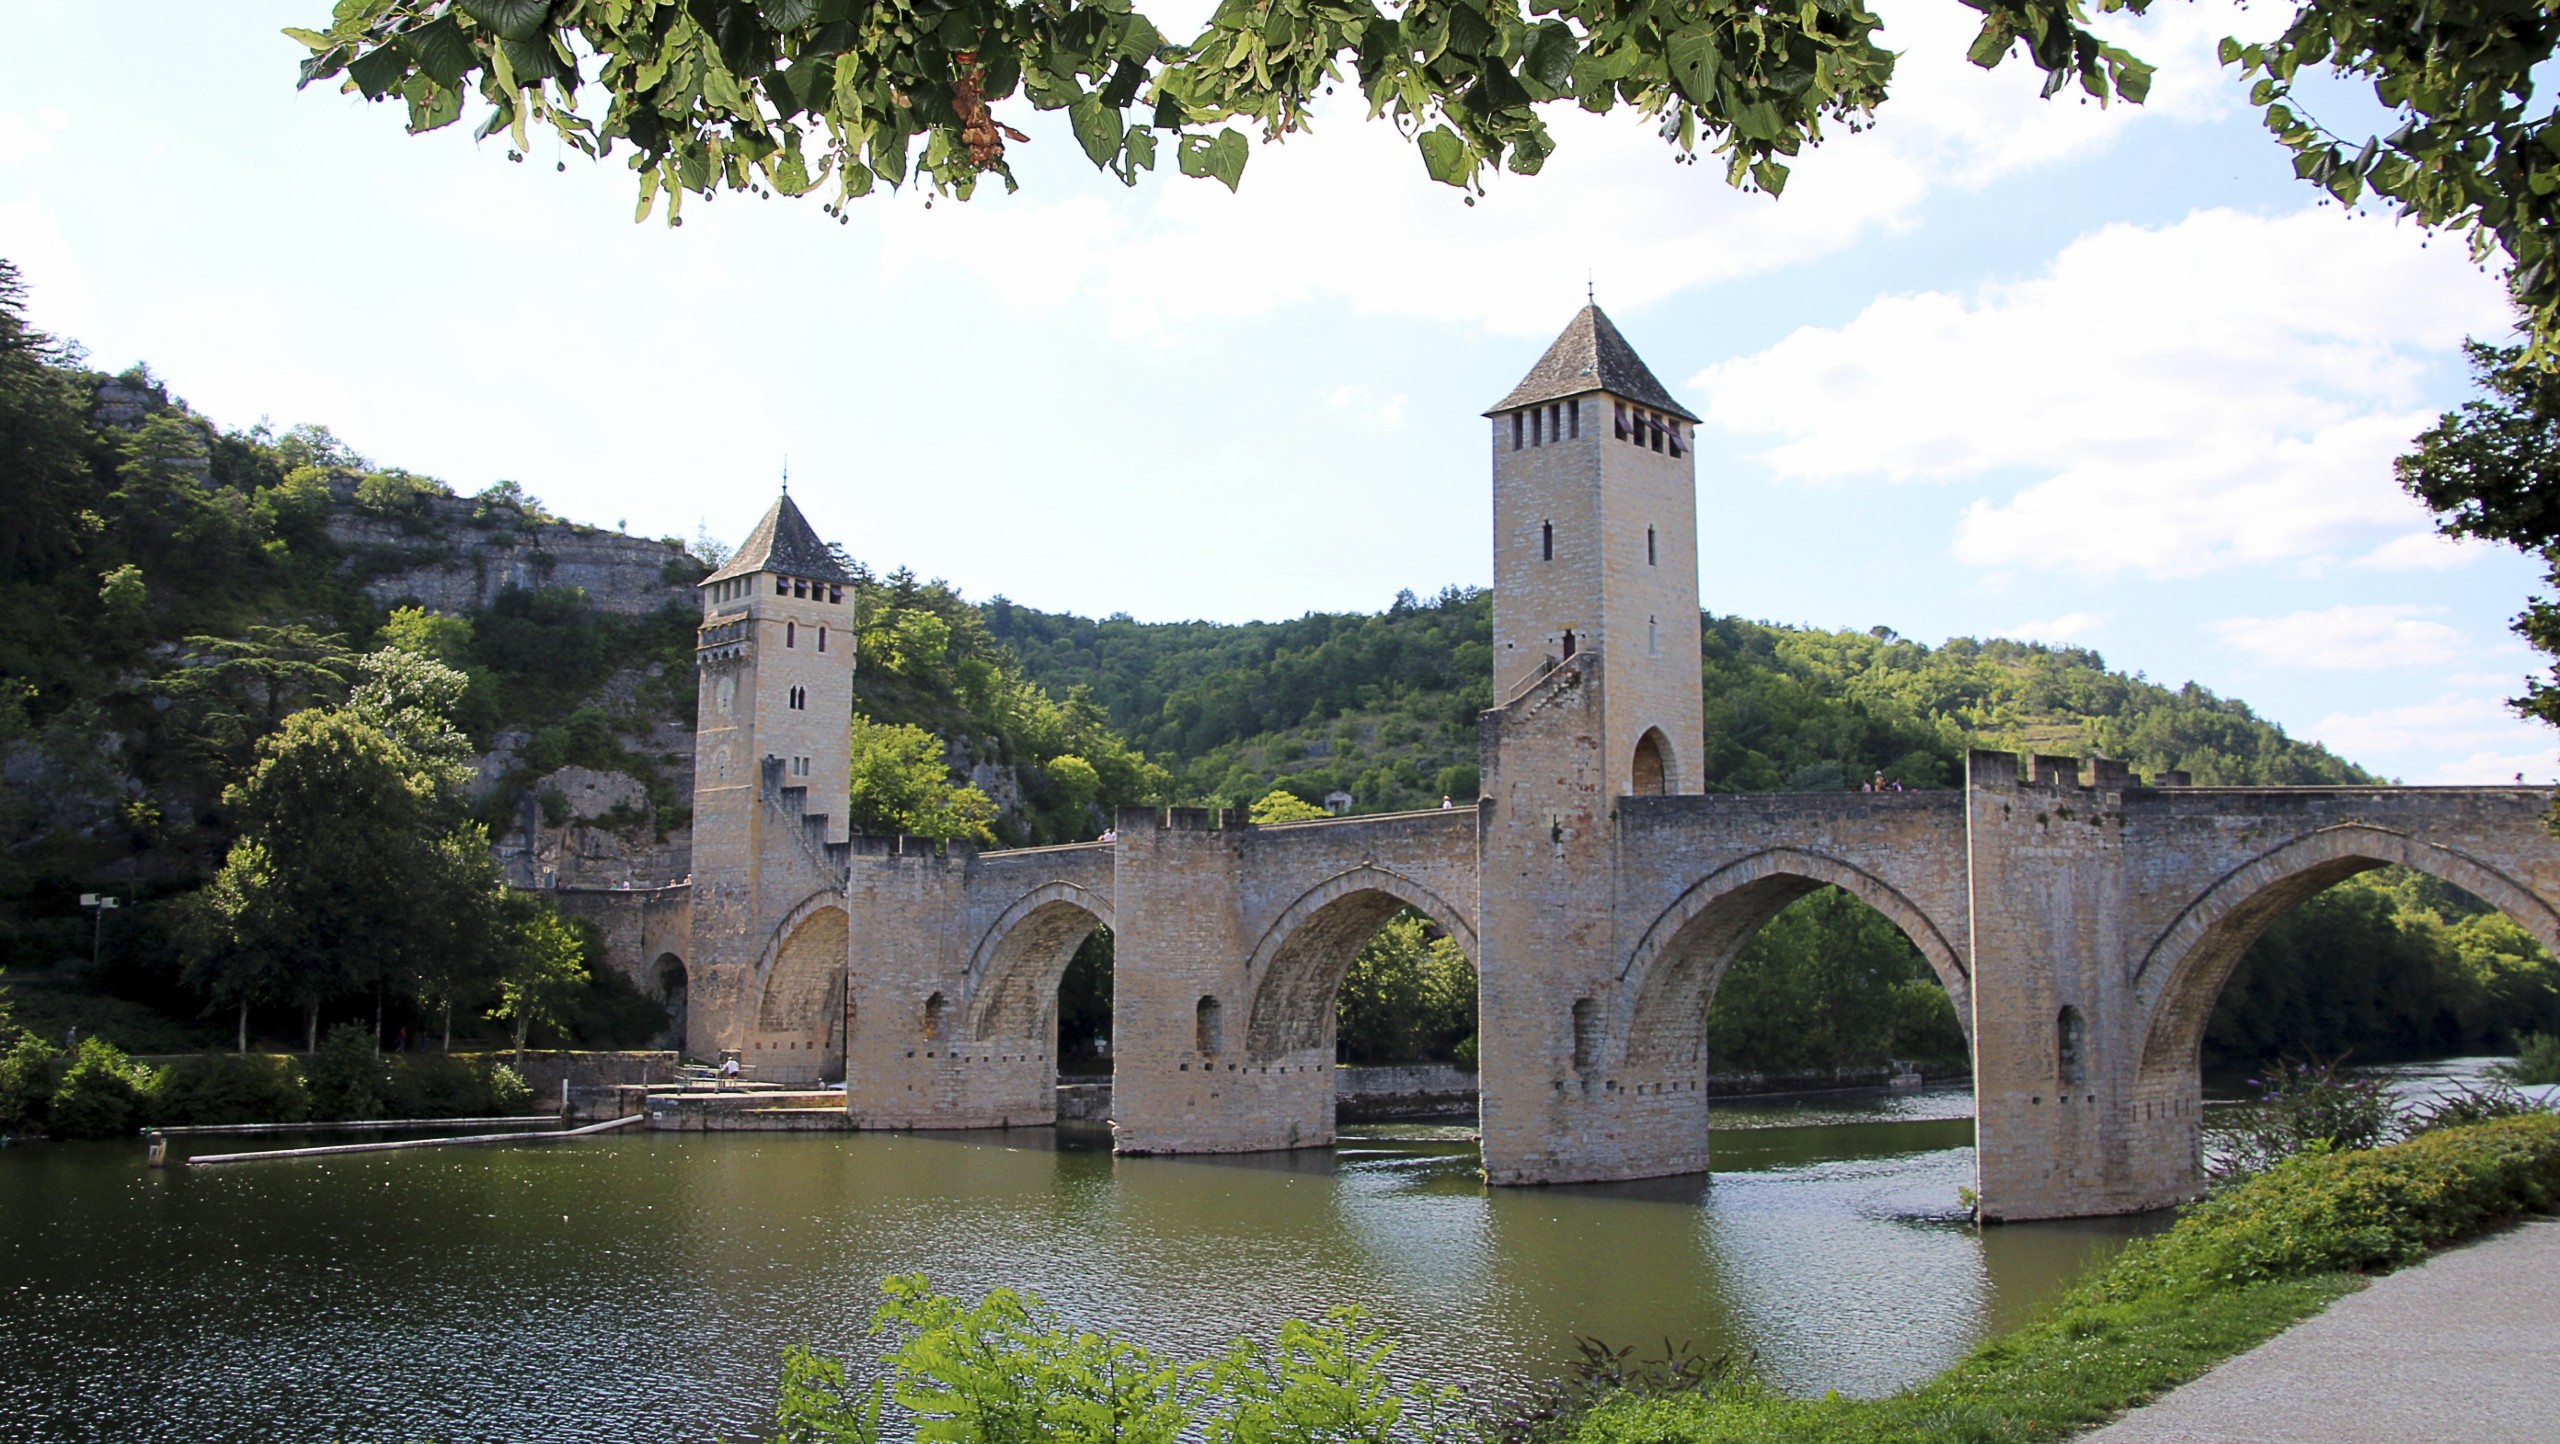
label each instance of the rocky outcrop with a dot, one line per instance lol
(456, 554)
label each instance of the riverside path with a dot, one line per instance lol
(2463, 1347)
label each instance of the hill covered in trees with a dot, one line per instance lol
(1384, 705)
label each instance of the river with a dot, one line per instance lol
(640, 1288)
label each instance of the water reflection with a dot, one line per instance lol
(641, 1288)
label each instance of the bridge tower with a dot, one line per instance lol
(1595, 547)
(772, 770)
(1597, 707)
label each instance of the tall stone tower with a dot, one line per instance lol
(1597, 711)
(772, 760)
(1595, 546)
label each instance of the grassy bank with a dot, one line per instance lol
(2231, 1273)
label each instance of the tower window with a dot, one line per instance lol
(1622, 420)
(1206, 1027)
(1555, 421)
(1573, 418)
(1649, 559)
(1546, 541)
(1676, 448)
(1519, 429)
(1568, 641)
(1656, 429)
(791, 634)
(799, 587)
(782, 586)
(1537, 427)
(822, 639)
(835, 596)
(1652, 638)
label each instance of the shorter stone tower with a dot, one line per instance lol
(772, 769)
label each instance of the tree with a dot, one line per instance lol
(901, 784)
(228, 692)
(2490, 468)
(1282, 805)
(802, 96)
(1409, 995)
(542, 964)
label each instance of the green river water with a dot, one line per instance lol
(639, 1288)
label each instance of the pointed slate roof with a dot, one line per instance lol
(783, 542)
(1591, 356)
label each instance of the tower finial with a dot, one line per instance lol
(786, 473)
(1590, 289)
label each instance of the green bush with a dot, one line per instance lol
(29, 1072)
(1004, 1371)
(2325, 1210)
(2537, 1060)
(102, 1094)
(434, 1085)
(347, 1078)
(2298, 1106)
(229, 1088)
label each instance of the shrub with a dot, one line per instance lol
(2537, 1060)
(1003, 1370)
(347, 1078)
(101, 1095)
(2327, 1210)
(29, 1072)
(2299, 1106)
(438, 1086)
(2465, 1106)
(228, 1088)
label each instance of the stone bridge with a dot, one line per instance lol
(2082, 921)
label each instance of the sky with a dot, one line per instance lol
(1998, 366)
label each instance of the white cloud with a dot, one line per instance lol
(1378, 408)
(21, 138)
(2423, 551)
(2067, 628)
(2183, 398)
(2346, 638)
(1344, 215)
(2454, 739)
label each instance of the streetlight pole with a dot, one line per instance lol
(97, 903)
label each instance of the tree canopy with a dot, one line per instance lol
(840, 97)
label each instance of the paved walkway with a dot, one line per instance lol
(2464, 1347)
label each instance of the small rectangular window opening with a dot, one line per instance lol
(1519, 429)
(822, 639)
(1676, 448)
(1622, 420)
(1537, 427)
(782, 586)
(835, 596)
(1650, 558)
(1546, 541)
(1573, 418)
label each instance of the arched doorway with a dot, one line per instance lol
(1652, 775)
(799, 1033)
(673, 995)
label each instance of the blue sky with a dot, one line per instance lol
(2000, 366)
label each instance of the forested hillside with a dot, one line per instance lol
(1383, 705)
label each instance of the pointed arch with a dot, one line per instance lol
(1671, 975)
(1299, 963)
(1012, 985)
(2183, 971)
(1653, 772)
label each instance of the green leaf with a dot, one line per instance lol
(2228, 50)
(1097, 128)
(1444, 155)
(791, 14)
(1694, 60)
(1992, 44)
(513, 19)
(378, 71)
(311, 38)
(440, 51)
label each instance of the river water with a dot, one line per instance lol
(640, 1288)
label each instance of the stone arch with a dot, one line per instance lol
(1671, 976)
(801, 1005)
(2183, 972)
(675, 994)
(1298, 965)
(1653, 772)
(1015, 967)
